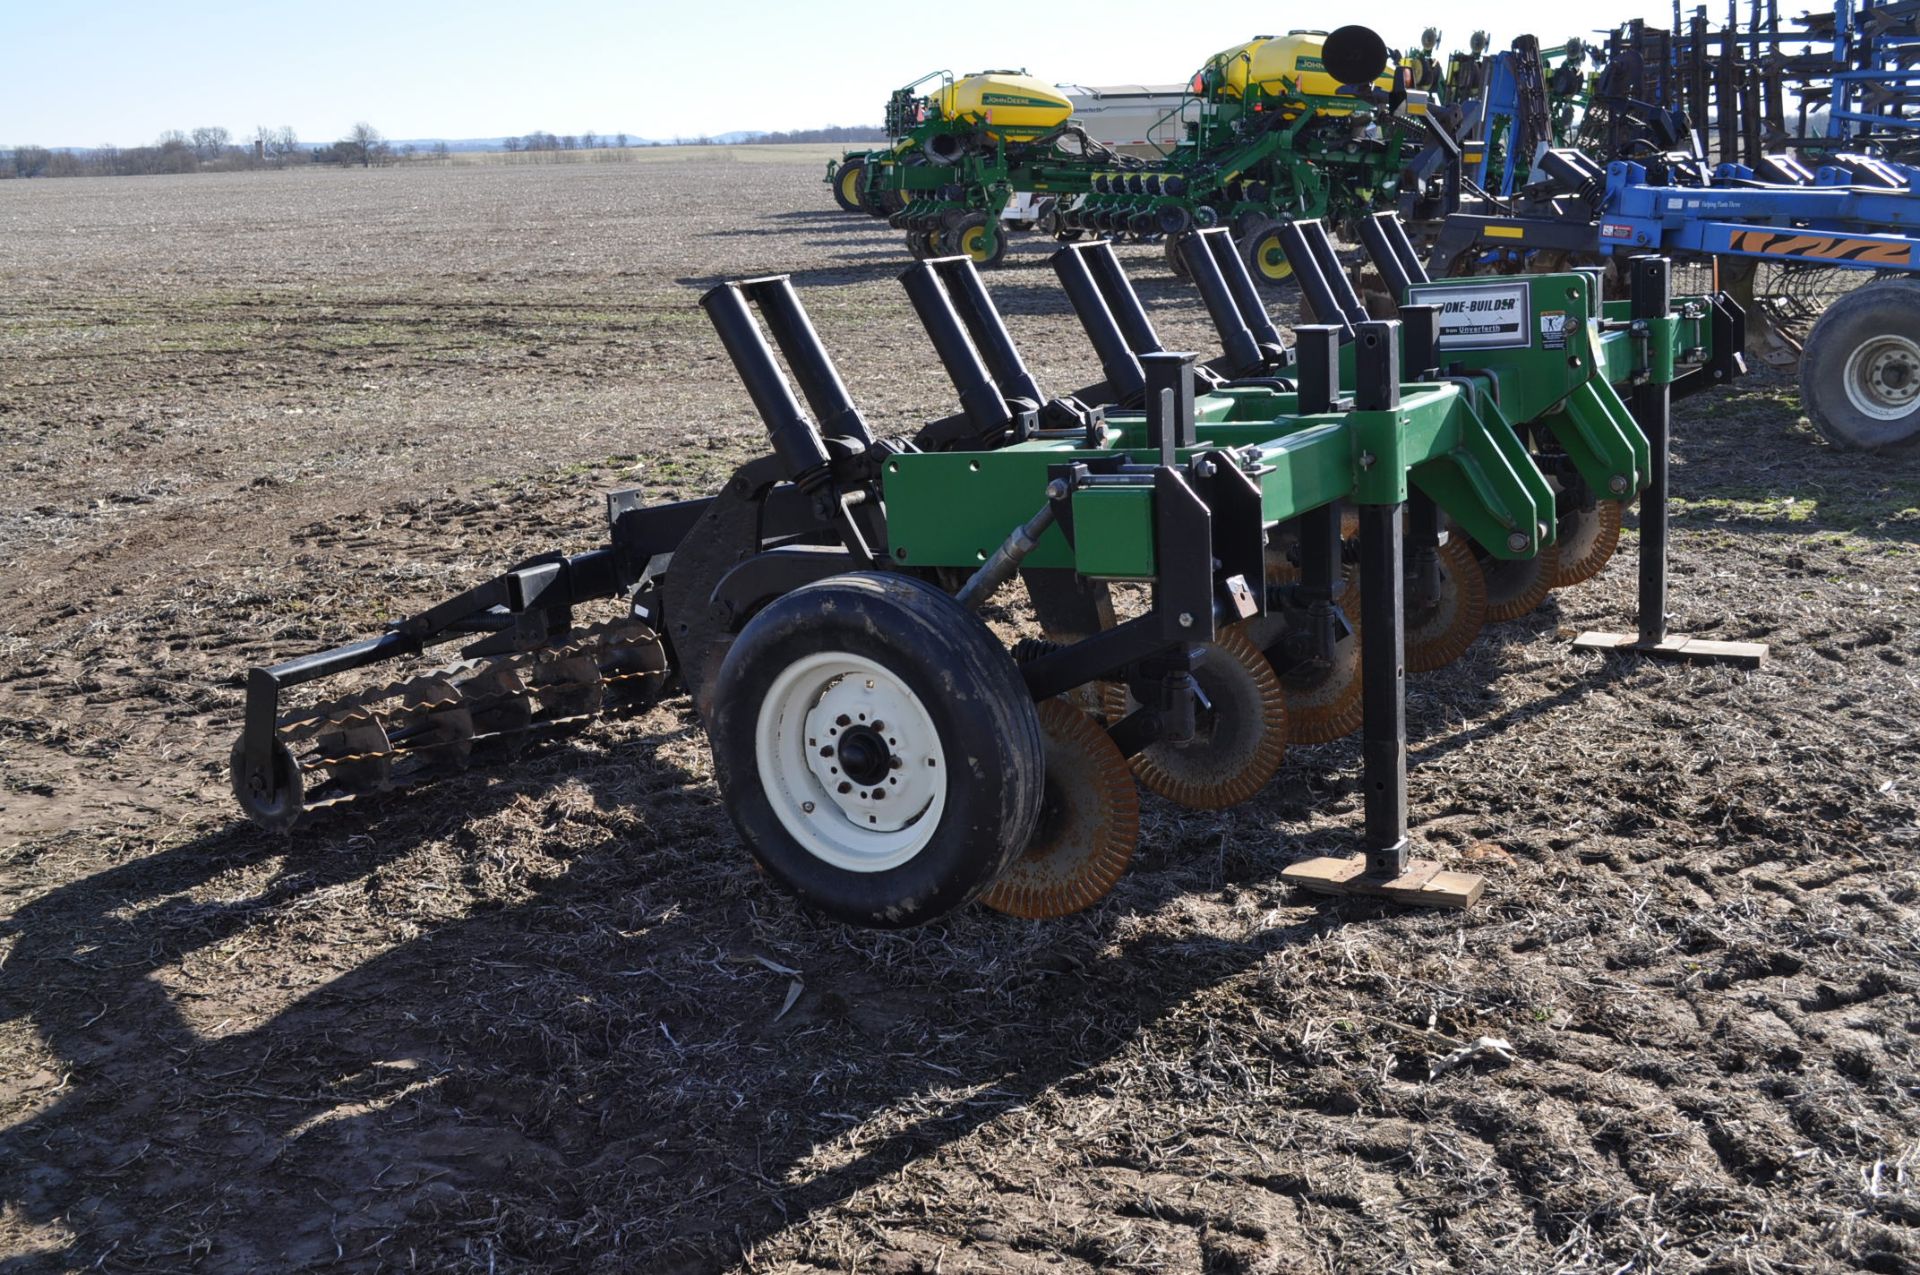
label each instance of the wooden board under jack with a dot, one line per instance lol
(1425, 883)
(1692, 649)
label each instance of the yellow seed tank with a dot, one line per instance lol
(1267, 60)
(1010, 106)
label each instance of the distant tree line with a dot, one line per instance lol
(363, 147)
(544, 141)
(203, 150)
(215, 150)
(538, 140)
(833, 133)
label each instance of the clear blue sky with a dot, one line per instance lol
(121, 71)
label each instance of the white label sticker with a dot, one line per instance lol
(1483, 316)
(1553, 329)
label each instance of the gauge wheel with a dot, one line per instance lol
(877, 749)
(969, 238)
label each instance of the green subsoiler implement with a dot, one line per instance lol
(1286, 531)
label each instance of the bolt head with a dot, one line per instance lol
(1517, 541)
(807, 807)
(1186, 619)
(1617, 484)
(1057, 489)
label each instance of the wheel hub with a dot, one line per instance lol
(864, 756)
(861, 737)
(1883, 377)
(851, 761)
(1273, 261)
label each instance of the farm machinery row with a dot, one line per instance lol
(1304, 126)
(1526, 158)
(1775, 230)
(1219, 559)
(1678, 145)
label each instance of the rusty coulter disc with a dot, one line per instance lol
(1587, 540)
(1281, 571)
(1515, 587)
(1323, 697)
(1440, 632)
(1089, 822)
(1237, 743)
(1323, 700)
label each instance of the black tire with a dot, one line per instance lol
(276, 802)
(922, 244)
(1244, 223)
(1266, 262)
(851, 174)
(1860, 370)
(1176, 262)
(939, 670)
(893, 198)
(968, 237)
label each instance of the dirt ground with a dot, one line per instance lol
(531, 1018)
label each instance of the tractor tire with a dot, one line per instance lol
(968, 238)
(1266, 261)
(1176, 262)
(893, 197)
(1244, 223)
(849, 186)
(877, 749)
(1860, 370)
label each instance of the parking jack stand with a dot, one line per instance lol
(1652, 403)
(1386, 868)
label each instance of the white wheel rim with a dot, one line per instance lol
(851, 762)
(1883, 377)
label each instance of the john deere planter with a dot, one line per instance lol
(1305, 125)
(888, 756)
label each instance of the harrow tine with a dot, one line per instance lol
(406, 732)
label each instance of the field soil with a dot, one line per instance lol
(546, 1016)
